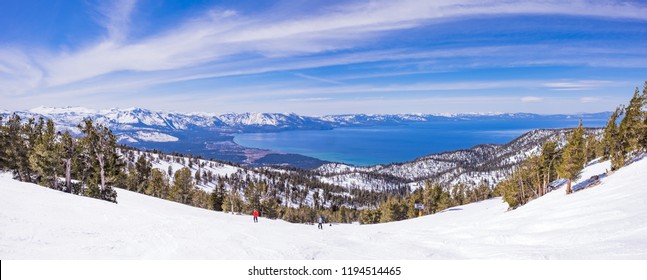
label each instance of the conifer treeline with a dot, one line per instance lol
(433, 197)
(294, 196)
(35, 152)
(617, 143)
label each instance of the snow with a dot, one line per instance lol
(155, 136)
(608, 221)
(62, 110)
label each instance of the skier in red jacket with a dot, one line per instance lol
(255, 216)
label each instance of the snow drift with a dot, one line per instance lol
(608, 221)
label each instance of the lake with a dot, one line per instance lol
(386, 144)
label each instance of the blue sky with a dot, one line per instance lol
(323, 57)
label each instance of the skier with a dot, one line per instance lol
(255, 216)
(321, 220)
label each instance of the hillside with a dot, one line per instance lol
(490, 163)
(608, 221)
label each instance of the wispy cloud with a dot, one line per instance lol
(589, 99)
(578, 85)
(115, 17)
(531, 99)
(309, 99)
(226, 42)
(309, 77)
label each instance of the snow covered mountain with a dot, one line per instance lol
(487, 164)
(124, 120)
(211, 135)
(608, 221)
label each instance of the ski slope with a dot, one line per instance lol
(608, 221)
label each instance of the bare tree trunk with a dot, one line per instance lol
(523, 195)
(539, 184)
(68, 171)
(568, 187)
(544, 186)
(56, 181)
(102, 172)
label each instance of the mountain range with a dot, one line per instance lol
(211, 135)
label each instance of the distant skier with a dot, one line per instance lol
(321, 220)
(255, 216)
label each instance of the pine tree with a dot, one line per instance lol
(393, 210)
(4, 144)
(252, 197)
(592, 144)
(642, 131)
(458, 194)
(182, 189)
(573, 157)
(96, 143)
(482, 192)
(218, 196)
(19, 138)
(631, 125)
(158, 184)
(143, 169)
(103, 162)
(68, 154)
(232, 202)
(548, 161)
(416, 197)
(612, 143)
(197, 176)
(45, 158)
(270, 208)
(435, 198)
(370, 216)
(132, 179)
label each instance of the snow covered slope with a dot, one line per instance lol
(608, 221)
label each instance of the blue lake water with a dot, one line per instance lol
(387, 144)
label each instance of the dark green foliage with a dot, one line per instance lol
(143, 169)
(182, 190)
(642, 130)
(4, 144)
(370, 216)
(253, 194)
(232, 203)
(218, 196)
(394, 209)
(592, 147)
(103, 164)
(621, 142)
(45, 158)
(522, 185)
(436, 198)
(573, 157)
(20, 139)
(107, 193)
(549, 161)
(158, 185)
(631, 125)
(416, 197)
(612, 143)
(35, 152)
(270, 208)
(197, 176)
(530, 179)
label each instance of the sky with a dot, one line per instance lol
(323, 57)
